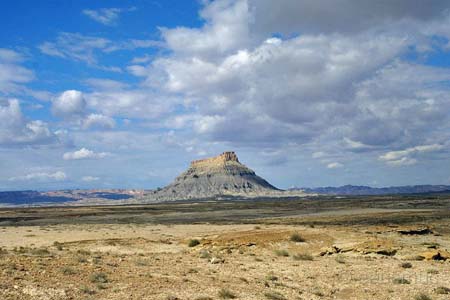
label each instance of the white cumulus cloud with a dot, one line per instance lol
(84, 153)
(70, 104)
(404, 157)
(90, 178)
(98, 121)
(17, 130)
(334, 165)
(41, 176)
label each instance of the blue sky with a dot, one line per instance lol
(123, 94)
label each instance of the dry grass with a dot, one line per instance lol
(226, 294)
(422, 296)
(340, 259)
(401, 281)
(193, 243)
(406, 265)
(297, 238)
(442, 290)
(98, 278)
(303, 256)
(274, 296)
(281, 252)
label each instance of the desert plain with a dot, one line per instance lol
(386, 247)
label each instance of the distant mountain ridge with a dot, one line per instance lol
(62, 197)
(367, 190)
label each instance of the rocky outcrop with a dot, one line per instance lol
(215, 176)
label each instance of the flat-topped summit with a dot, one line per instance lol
(227, 162)
(220, 175)
(215, 161)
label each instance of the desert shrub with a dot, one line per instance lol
(226, 294)
(205, 254)
(431, 244)
(281, 252)
(141, 262)
(432, 271)
(203, 298)
(193, 243)
(274, 296)
(40, 252)
(58, 246)
(243, 279)
(257, 227)
(303, 256)
(422, 296)
(271, 277)
(87, 290)
(97, 260)
(406, 265)
(401, 281)
(340, 259)
(81, 259)
(416, 257)
(317, 291)
(442, 290)
(98, 278)
(295, 237)
(101, 286)
(68, 271)
(84, 252)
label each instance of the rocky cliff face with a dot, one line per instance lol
(220, 175)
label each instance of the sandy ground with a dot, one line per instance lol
(242, 261)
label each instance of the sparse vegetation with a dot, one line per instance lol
(442, 290)
(58, 246)
(422, 296)
(431, 244)
(251, 270)
(98, 278)
(271, 277)
(226, 294)
(416, 258)
(84, 252)
(406, 265)
(101, 286)
(297, 238)
(40, 252)
(317, 291)
(141, 262)
(274, 296)
(81, 259)
(87, 290)
(340, 259)
(281, 252)
(401, 281)
(68, 271)
(303, 256)
(193, 243)
(205, 254)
